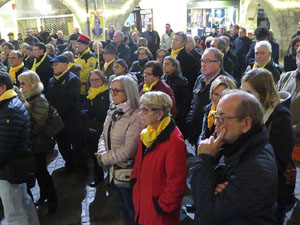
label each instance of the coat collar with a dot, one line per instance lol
(163, 136)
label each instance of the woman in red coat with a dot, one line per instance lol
(160, 171)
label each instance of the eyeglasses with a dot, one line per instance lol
(95, 80)
(221, 118)
(167, 64)
(116, 91)
(146, 110)
(146, 73)
(204, 61)
(142, 53)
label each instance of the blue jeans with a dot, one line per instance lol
(125, 195)
(17, 204)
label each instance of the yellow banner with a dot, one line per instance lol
(97, 25)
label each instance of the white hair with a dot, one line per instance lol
(263, 43)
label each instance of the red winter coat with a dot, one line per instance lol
(159, 179)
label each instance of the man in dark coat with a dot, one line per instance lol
(123, 50)
(190, 48)
(16, 66)
(153, 39)
(42, 65)
(7, 48)
(14, 137)
(109, 55)
(12, 40)
(262, 34)
(211, 68)
(63, 94)
(187, 61)
(263, 59)
(240, 48)
(234, 177)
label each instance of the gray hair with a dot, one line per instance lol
(264, 43)
(120, 33)
(226, 39)
(142, 42)
(191, 38)
(221, 44)
(248, 106)
(182, 35)
(130, 89)
(217, 53)
(158, 100)
(174, 62)
(19, 54)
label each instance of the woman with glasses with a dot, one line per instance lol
(32, 88)
(277, 119)
(93, 114)
(160, 171)
(137, 67)
(180, 86)
(119, 141)
(217, 87)
(152, 82)
(120, 67)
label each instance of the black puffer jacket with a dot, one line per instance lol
(14, 129)
(250, 168)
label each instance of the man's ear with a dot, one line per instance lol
(247, 124)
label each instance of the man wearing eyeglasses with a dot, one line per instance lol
(16, 66)
(234, 177)
(211, 68)
(63, 94)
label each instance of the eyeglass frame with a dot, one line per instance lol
(146, 110)
(221, 118)
(116, 91)
(208, 61)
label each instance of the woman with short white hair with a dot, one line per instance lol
(160, 171)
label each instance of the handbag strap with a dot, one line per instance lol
(115, 116)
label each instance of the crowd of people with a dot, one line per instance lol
(128, 105)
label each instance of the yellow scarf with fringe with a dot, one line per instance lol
(210, 117)
(36, 65)
(8, 94)
(257, 66)
(175, 53)
(149, 134)
(13, 70)
(93, 92)
(147, 88)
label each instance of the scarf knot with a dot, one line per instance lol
(93, 92)
(13, 71)
(147, 88)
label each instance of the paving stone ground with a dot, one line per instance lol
(80, 204)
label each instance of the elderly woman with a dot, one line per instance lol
(120, 67)
(290, 58)
(277, 119)
(152, 73)
(118, 143)
(93, 113)
(32, 88)
(50, 50)
(137, 67)
(180, 86)
(160, 171)
(217, 87)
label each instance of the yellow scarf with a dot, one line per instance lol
(149, 134)
(175, 53)
(84, 52)
(107, 64)
(8, 94)
(93, 92)
(59, 76)
(70, 65)
(257, 66)
(147, 88)
(36, 65)
(13, 70)
(210, 118)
